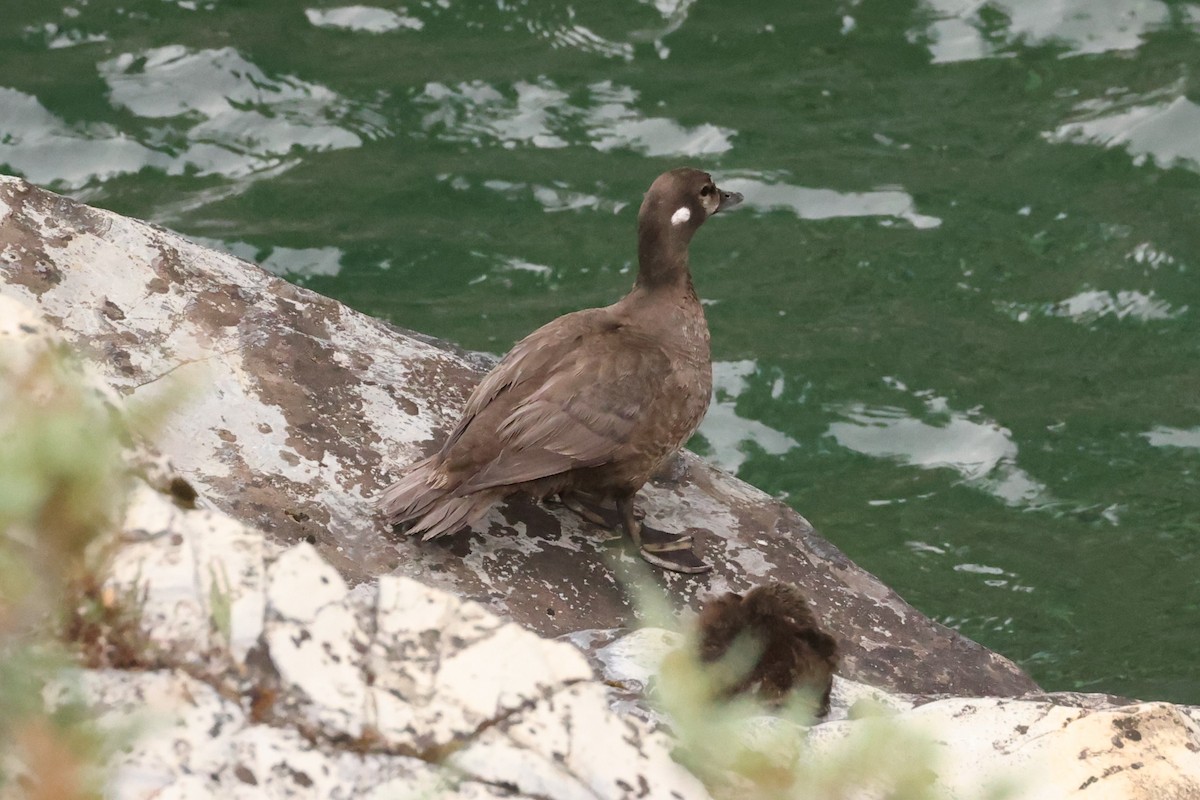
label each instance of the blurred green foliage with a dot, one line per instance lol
(62, 484)
(743, 748)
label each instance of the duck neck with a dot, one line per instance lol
(663, 259)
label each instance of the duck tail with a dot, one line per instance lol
(408, 498)
(425, 498)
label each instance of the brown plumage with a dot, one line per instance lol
(793, 651)
(590, 403)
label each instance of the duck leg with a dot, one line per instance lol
(588, 506)
(581, 506)
(665, 550)
(574, 501)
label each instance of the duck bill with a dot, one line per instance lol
(728, 200)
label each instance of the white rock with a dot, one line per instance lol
(184, 728)
(195, 744)
(303, 583)
(270, 762)
(191, 567)
(315, 641)
(846, 694)
(636, 657)
(443, 667)
(572, 746)
(162, 569)
(22, 331)
(1051, 752)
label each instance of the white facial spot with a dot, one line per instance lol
(681, 215)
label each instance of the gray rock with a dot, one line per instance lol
(300, 410)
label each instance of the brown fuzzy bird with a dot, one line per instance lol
(588, 406)
(795, 652)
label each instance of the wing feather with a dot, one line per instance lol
(573, 401)
(533, 356)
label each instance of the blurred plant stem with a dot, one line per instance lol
(62, 487)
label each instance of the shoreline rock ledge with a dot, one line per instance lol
(289, 646)
(299, 410)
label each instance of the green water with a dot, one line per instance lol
(957, 322)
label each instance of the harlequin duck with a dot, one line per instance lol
(588, 406)
(793, 651)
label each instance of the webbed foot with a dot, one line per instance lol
(671, 552)
(664, 550)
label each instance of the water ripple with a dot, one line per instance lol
(980, 450)
(966, 30)
(767, 193)
(213, 113)
(555, 197)
(582, 38)
(1090, 305)
(476, 111)
(1164, 130)
(617, 124)
(540, 114)
(57, 37)
(561, 26)
(233, 118)
(726, 432)
(364, 19)
(47, 150)
(295, 263)
(1162, 436)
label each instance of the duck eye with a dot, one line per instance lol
(706, 191)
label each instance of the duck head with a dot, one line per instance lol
(676, 205)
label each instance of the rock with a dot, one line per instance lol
(202, 745)
(265, 674)
(1043, 746)
(567, 747)
(368, 691)
(1048, 751)
(300, 410)
(253, 670)
(215, 560)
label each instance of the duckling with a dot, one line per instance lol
(795, 652)
(592, 403)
